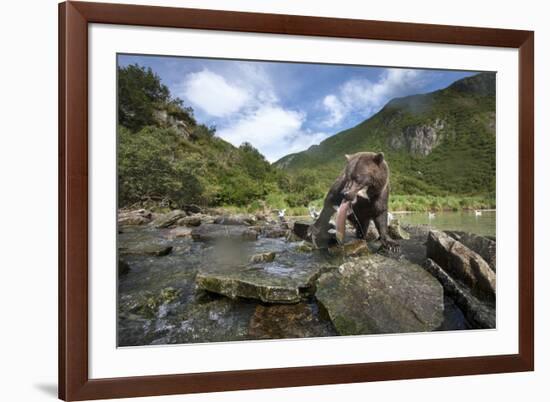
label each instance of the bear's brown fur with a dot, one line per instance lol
(364, 182)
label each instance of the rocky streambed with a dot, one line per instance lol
(193, 276)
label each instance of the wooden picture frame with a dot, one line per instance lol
(74, 381)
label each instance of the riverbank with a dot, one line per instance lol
(397, 203)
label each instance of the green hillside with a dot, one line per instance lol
(440, 144)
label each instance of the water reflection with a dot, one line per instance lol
(482, 223)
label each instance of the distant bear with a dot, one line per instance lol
(364, 182)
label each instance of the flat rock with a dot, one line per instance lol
(485, 247)
(280, 321)
(301, 230)
(273, 232)
(479, 314)
(213, 232)
(179, 232)
(463, 264)
(154, 249)
(168, 219)
(192, 209)
(272, 282)
(192, 220)
(136, 217)
(376, 295)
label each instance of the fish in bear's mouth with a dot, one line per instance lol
(343, 210)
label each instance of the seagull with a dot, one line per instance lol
(313, 213)
(390, 217)
(477, 213)
(431, 215)
(281, 213)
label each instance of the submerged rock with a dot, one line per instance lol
(262, 257)
(462, 264)
(123, 267)
(136, 217)
(145, 249)
(396, 232)
(355, 248)
(147, 304)
(485, 247)
(479, 314)
(273, 232)
(212, 232)
(304, 247)
(419, 231)
(210, 320)
(218, 320)
(376, 295)
(169, 219)
(272, 283)
(288, 321)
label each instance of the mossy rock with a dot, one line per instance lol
(376, 295)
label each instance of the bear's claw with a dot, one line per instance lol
(390, 246)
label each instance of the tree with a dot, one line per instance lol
(140, 94)
(150, 167)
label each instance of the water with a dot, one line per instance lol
(465, 221)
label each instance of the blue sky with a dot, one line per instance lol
(282, 108)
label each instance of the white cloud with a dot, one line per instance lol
(273, 130)
(367, 97)
(213, 94)
(256, 80)
(244, 100)
(337, 110)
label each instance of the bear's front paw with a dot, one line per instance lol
(389, 245)
(319, 236)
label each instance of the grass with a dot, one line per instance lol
(411, 203)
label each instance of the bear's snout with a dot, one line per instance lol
(349, 196)
(351, 189)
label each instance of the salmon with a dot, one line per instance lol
(341, 216)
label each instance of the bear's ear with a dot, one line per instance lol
(348, 157)
(379, 158)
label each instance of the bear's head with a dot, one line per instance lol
(365, 172)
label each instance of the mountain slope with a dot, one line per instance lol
(440, 143)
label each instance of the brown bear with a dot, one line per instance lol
(364, 184)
